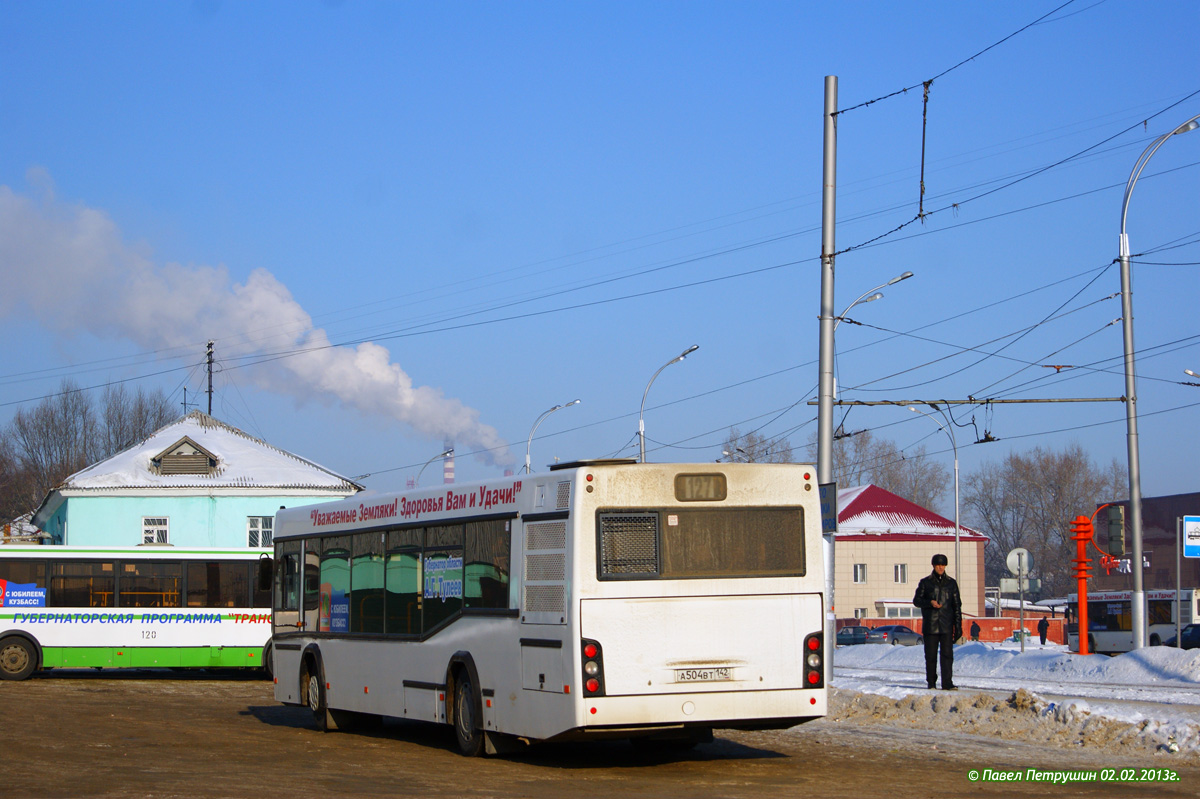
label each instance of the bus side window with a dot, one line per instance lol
(366, 583)
(312, 575)
(83, 584)
(486, 566)
(151, 584)
(287, 577)
(402, 580)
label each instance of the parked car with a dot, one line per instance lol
(1190, 635)
(894, 634)
(852, 635)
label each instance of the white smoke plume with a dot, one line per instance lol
(68, 266)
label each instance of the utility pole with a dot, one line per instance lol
(825, 383)
(210, 364)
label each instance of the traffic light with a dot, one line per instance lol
(1116, 530)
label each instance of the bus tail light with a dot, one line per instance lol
(593, 668)
(814, 664)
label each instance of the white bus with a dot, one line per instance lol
(132, 607)
(1110, 618)
(601, 599)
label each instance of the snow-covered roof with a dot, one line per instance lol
(242, 461)
(872, 511)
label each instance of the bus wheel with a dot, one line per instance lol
(314, 679)
(466, 726)
(17, 659)
(1092, 645)
(1155, 640)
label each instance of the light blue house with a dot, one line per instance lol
(195, 483)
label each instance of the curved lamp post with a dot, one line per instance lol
(948, 429)
(864, 299)
(642, 412)
(443, 454)
(541, 419)
(1135, 477)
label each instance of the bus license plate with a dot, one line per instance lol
(703, 675)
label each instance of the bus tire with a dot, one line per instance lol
(268, 654)
(313, 679)
(18, 658)
(467, 729)
(1092, 645)
(1155, 640)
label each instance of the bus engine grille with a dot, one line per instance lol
(628, 544)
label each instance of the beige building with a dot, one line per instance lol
(884, 547)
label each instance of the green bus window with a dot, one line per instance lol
(366, 598)
(402, 567)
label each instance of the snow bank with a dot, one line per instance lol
(1156, 665)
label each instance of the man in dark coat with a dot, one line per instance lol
(1043, 628)
(941, 612)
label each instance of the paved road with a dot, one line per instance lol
(136, 734)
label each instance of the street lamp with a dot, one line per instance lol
(1192, 374)
(733, 455)
(443, 454)
(948, 429)
(540, 419)
(1135, 477)
(864, 299)
(641, 413)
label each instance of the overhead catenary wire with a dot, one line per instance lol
(965, 61)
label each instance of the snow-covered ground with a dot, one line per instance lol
(1154, 691)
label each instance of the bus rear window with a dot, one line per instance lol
(701, 543)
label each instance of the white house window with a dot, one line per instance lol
(900, 573)
(860, 572)
(156, 530)
(259, 531)
(860, 613)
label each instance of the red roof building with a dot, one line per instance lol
(884, 547)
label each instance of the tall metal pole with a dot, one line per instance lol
(1178, 580)
(825, 382)
(210, 364)
(1138, 602)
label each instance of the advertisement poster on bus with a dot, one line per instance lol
(334, 615)
(443, 577)
(21, 595)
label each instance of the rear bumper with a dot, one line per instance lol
(731, 709)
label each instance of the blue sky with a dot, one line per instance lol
(466, 213)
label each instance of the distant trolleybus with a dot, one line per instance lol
(601, 599)
(1110, 618)
(149, 606)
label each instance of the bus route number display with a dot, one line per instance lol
(700, 487)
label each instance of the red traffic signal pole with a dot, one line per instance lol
(1082, 529)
